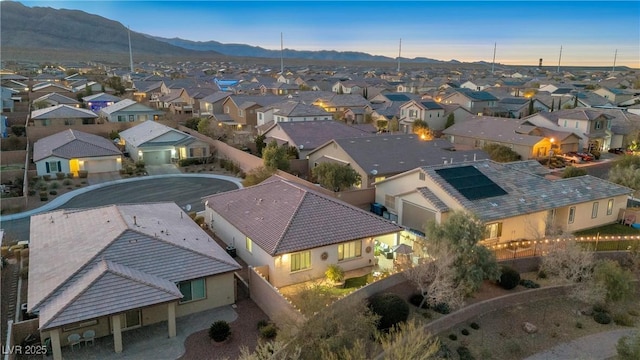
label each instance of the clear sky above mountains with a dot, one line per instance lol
(589, 32)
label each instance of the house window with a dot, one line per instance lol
(122, 118)
(53, 166)
(300, 261)
(493, 231)
(192, 290)
(249, 245)
(350, 250)
(609, 124)
(421, 175)
(565, 123)
(132, 118)
(69, 122)
(226, 109)
(610, 207)
(572, 214)
(156, 117)
(46, 122)
(390, 201)
(577, 124)
(598, 125)
(594, 210)
(240, 113)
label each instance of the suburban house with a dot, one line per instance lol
(525, 140)
(308, 135)
(62, 115)
(377, 157)
(71, 150)
(7, 96)
(474, 101)
(49, 87)
(515, 200)
(53, 99)
(339, 103)
(177, 101)
(516, 107)
(128, 110)
(291, 233)
(291, 110)
(212, 104)
(132, 266)
(158, 144)
(100, 101)
(242, 110)
(617, 96)
(428, 111)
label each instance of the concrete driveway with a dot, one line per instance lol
(162, 169)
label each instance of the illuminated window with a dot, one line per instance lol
(493, 231)
(300, 261)
(350, 250)
(610, 207)
(572, 214)
(249, 245)
(594, 210)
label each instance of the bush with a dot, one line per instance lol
(199, 220)
(46, 177)
(596, 154)
(67, 182)
(82, 174)
(628, 347)
(219, 331)
(114, 135)
(464, 353)
(602, 318)
(542, 274)
(509, 279)
(54, 185)
(474, 326)
(60, 175)
(140, 164)
(262, 323)
(334, 273)
(442, 308)
(599, 308)
(633, 312)
(53, 192)
(579, 325)
(465, 332)
(69, 175)
(529, 284)
(623, 319)
(453, 337)
(191, 161)
(391, 308)
(416, 299)
(269, 331)
(44, 196)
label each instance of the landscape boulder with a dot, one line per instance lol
(529, 328)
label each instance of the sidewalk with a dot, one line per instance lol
(598, 346)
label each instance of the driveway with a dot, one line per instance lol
(184, 189)
(162, 169)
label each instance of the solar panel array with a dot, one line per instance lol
(470, 182)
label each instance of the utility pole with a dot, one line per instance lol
(559, 59)
(281, 55)
(130, 52)
(615, 56)
(399, 54)
(493, 63)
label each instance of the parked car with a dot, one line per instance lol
(586, 156)
(617, 150)
(572, 158)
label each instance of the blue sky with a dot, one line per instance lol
(589, 32)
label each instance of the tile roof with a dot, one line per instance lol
(123, 104)
(55, 97)
(477, 95)
(71, 143)
(498, 129)
(283, 217)
(295, 108)
(147, 131)
(526, 193)
(395, 153)
(157, 241)
(311, 134)
(216, 96)
(62, 111)
(101, 97)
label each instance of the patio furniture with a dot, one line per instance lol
(74, 339)
(89, 337)
(629, 220)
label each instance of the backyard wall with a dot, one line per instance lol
(35, 133)
(373, 288)
(20, 330)
(269, 299)
(12, 157)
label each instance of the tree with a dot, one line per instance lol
(256, 176)
(572, 171)
(270, 350)
(409, 341)
(617, 281)
(115, 82)
(626, 172)
(192, 123)
(204, 127)
(460, 234)
(381, 124)
(335, 177)
(531, 108)
(628, 347)
(275, 157)
(450, 121)
(421, 128)
(40, 104)
(501, 153)
(292, 152)
(260, 144)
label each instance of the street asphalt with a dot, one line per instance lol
(185, 189)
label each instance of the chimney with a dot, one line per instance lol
(540, 63)
(134, 221)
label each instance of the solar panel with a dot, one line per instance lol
(470, 182)
(397, 97)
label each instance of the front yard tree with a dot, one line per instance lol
(451, 119)
(275, 157)
(421, 128)
(336, 177)
(473, 263)
(626, 172)
(618, 282)
(501, 153)
(260, 144)
(256, 176)
(204, 126)
(192, 123)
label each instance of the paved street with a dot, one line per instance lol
(183, 190)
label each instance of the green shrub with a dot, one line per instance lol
(416, 299)
(391, 308)
(67, 182)
(628, 347)
(219, 331)
(69, 175)
(579, 325)
(509, 278)
(596, 154)
(599, 308)
(36, 178)
(44, 196)
(31, 192)
(542, 274)
(46, 177)
(633, 312)
(334, 273)
(262, 323)
(54, 185)
(199, 220)
(269, 331)
(474, 326)
(602, 318)
(53, 192)
(453, 337)
(623, 319)
(191, 161)
(464, 353)
(60, 175)
(529, 284)
(114, 135)
(82, 174)
(464, 332)
(442, 308)
(140, 164)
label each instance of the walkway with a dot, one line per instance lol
(151, 342)
(598, 346)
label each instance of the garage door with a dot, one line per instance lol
(98, 166)
(157, 157)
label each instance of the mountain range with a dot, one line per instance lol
(42, 28)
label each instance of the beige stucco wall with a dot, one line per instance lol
(583, 218)
(334, 151)
(220, 292)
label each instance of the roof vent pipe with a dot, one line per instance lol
(134, 221)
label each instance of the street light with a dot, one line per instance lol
(550, 152)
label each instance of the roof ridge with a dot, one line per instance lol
(113, 269)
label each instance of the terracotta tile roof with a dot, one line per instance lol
(71, 143)
(283, 217)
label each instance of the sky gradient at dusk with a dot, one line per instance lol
(589, 32)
